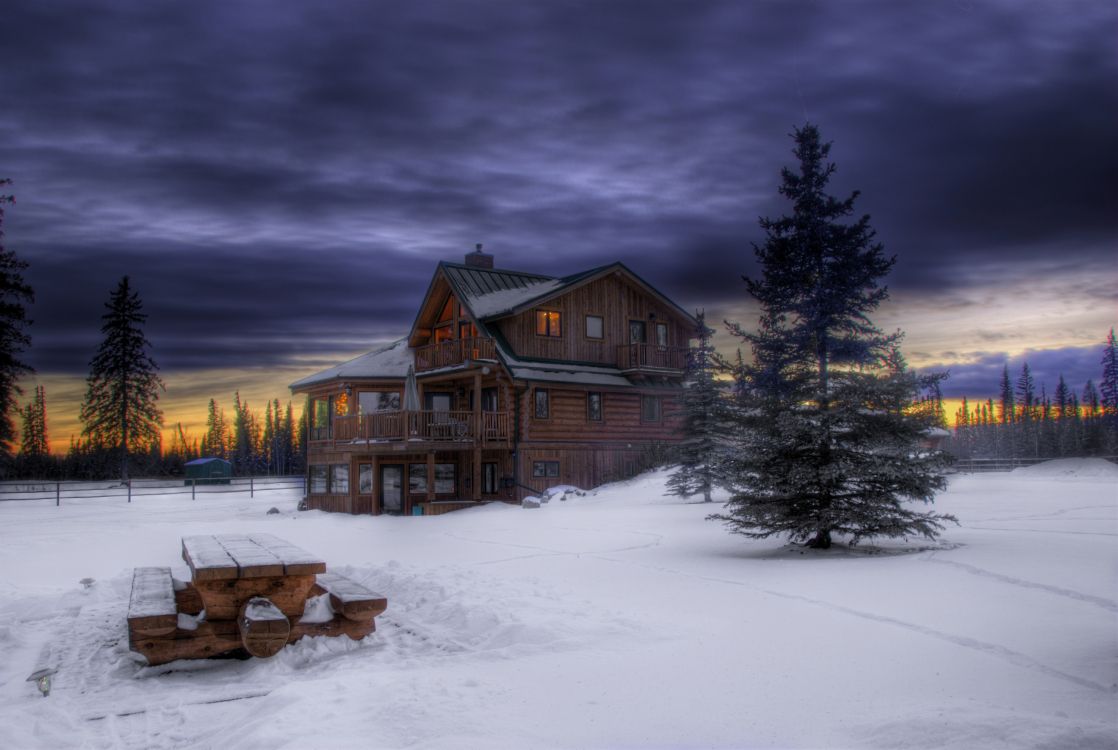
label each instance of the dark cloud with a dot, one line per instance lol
(280, 179)
(981, 376)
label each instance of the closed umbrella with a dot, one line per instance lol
(411, 402)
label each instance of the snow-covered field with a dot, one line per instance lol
(620, 619)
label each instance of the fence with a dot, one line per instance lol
(139, 488)
(981, 465)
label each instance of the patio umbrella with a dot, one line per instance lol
(411, 391)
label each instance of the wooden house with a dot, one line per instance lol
(508, 383)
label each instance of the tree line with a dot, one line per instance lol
(1023, 422)
(121, 420)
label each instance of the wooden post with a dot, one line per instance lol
(57, 494)
(251, 489)
(193, 488)
(129, 490)
(479, 436)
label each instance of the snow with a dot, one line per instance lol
(503, 300)
(618, 618)
(390, 361)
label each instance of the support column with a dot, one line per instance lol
(479, 436)
(430, 476)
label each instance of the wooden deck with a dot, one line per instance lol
(445, 429)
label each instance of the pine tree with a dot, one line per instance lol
(216, 440)
(35, 444)
(122, 390)
(830, 443)
(1108, 386)
(704, 420)
(15, 295)
(1090, 400)
(1026, 391)
(1006, 397)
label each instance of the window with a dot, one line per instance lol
(637, 333)
(321, 429)
(661, 334)
(545, 468)
(548, 323)
(437, 401)
(543, 404)
(595, 327)
(489, 399)
(417, 478)
(318, 479)
(650, 409)
(364, 479)
(369, 402)
(341, 404)
(339, 479)
(594, 407)
(489, 479)
(444, 479)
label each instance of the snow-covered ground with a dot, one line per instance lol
(618, 619)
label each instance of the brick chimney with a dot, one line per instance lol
(478, 259)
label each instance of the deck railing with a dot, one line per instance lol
(453, 352)
(651, 357)
(427, 426)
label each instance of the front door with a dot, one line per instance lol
(392, 488)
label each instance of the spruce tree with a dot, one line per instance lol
(1006, 397)
(216, 440)
(1108, 386)
(829, 442)
(704, 420)
(122, 391)
(15, 295)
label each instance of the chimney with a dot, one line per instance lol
(478, 259)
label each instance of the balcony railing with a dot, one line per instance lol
(453, 352)
(420, 426)
(651, 357)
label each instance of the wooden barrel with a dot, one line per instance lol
(264, 629)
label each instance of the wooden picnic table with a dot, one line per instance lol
(247, 591)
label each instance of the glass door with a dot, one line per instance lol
(392, 488)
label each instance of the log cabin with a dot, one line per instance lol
(508, 383)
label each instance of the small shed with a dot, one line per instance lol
(208, 471)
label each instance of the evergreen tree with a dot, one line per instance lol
(829, 441)
(216, 440)
(15, 295)
(1108, 386)
(704, 425)
(35, 443)
(1026, 391)
(1006, 397)
(120, 408)
(1090, 400)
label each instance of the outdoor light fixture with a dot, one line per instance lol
(41, 678)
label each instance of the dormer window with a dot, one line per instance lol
(548, 323)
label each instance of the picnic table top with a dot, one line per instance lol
(228, 556)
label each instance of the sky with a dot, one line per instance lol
(279, 179)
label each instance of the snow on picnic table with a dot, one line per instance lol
(619, 618)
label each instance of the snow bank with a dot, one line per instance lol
(1070, 468)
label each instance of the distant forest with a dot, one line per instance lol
(1025, 421)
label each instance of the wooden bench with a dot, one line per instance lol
(151, 609)
(350, 599)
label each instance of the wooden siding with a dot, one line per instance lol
(587, 467)
(621, 417)
(611, 298)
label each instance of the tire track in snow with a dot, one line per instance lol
(1108, 604)
(991, 649)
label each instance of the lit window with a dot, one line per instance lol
(548, 323)
(650, 409)
(543, 404)
(595, 327)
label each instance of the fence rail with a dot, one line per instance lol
(982, 465)
(21, 490)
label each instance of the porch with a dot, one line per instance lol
(445, 429)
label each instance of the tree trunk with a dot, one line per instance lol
(821, 540)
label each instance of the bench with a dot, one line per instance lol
(151, 608)
(349, 598)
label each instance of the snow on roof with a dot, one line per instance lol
(563, 374)
(390, 361)
(503, 300)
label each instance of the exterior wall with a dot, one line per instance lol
(587, 467)
(613, 299)
(621, 416)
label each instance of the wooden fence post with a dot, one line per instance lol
(251, 491)
(129, 490)
(193, 485)
(57, 494)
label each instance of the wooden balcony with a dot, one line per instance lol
(449, 428)
(454, 352)
(652, 358)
